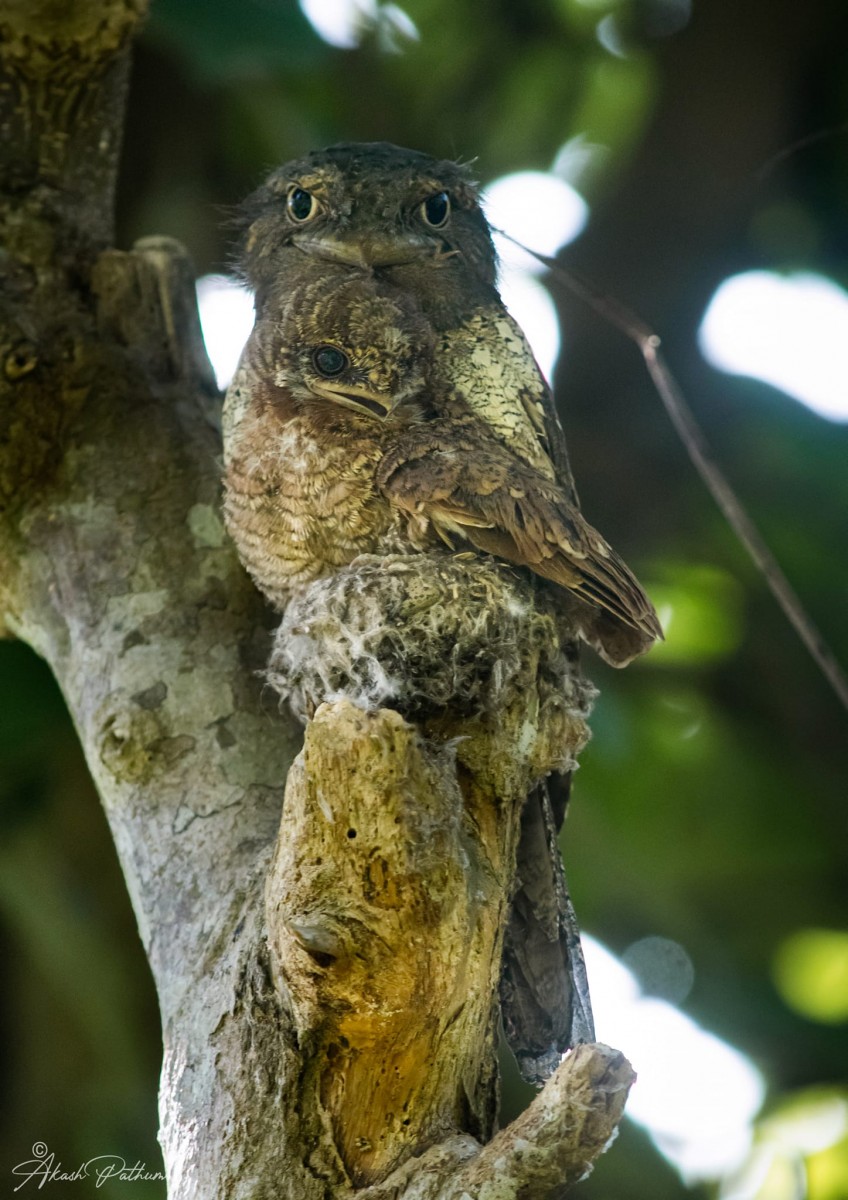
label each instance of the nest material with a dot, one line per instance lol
(422, 633)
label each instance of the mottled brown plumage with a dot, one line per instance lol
(380, 457)
(301, 497)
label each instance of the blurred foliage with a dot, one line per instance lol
(710, 805)
(811, 973)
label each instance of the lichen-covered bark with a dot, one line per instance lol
(115, 567)
(380, 921)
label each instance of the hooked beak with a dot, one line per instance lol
(369, 252)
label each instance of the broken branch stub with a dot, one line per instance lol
(394, 869)
(381, 921)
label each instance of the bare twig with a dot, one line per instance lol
(811, 139)
(698, 449)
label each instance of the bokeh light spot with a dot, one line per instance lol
(539, 209)
(800, 1149)
(340, 23)
(343, 23)
(789, 331)
(811, 973)
(608, 33)
(827, 1172)
(696, 1095)
(700, 610)
(226, 318)
(662, 967)
(578, 161)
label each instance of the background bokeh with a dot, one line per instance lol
(707, 138)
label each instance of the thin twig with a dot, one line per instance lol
(776, 160)
(698, 449)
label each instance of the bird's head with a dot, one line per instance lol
(370, 205)
(343, 339)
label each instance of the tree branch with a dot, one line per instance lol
(543, 1153)
(115, 567)
(65, 69)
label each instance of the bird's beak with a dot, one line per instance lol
(373, 404)
(370, 251)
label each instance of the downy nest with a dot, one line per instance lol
(423, 633)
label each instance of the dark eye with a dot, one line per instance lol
(302, 205)
(329, 361)
(436, 209)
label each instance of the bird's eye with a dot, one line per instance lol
(329, 361)
(436, 209)
(302, 205)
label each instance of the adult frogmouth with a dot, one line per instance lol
(417, 222)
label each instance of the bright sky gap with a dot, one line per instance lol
(342, 23)
(790, 331)
(696, 1095)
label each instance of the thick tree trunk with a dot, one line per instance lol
(326, 983)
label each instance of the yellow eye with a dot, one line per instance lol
(436, 209)
(302, 205)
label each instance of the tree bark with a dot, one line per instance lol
(327, 999)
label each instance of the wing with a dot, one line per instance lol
(468, 486)
(489, 363)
